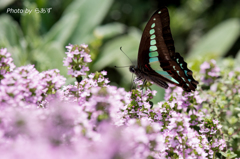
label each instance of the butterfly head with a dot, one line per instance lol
(132, 69)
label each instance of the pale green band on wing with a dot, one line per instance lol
(153, 48)
(152, 31)
(165, 74)
(153, 42)
(172, 79)
(153, 59)
(153, 37)
(153, 54)
(153, 25)
(155, 65)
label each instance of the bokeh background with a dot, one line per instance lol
(202, 30)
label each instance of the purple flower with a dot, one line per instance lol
(210, 72)
(22, 85)
(91, 119)
(77, 59)
(6, 63)
(204, 67)
(26, 85)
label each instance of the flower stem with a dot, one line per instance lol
(183, 150)
(214, 155)
(78, 90)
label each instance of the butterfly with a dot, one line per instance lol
(157, 60)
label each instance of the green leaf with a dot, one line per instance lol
(232, 120)
(63, 29)
(10, 33)
(50, 56)
(109, 30)
(160, 94)
(111, 54)
(31, 24)
(218, 40)
(230, 131)
(237, 59)
(11, 37)
(237, 109)
(228, 154)
(92, 13)
(5, 3)
(79, 21)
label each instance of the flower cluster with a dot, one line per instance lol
(221, 100)
(6, 63)
(181, 125)
(26, 85)
(81, 90)
(210, 72)
(92, 119)
(52, 83)
(20, 86)
(77, 59)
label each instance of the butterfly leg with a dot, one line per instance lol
(137, 79)
(144, 82)
(132, 83)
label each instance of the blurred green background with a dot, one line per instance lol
(202, 30)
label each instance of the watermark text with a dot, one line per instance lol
(28, 11)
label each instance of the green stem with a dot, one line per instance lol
(183, 150)
(214, 155)
(78, 90)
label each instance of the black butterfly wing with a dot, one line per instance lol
(177, 68)
(162, 48)
(143, 52)
(157, 49)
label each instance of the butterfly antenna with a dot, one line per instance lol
(125, 54)
(120, 66)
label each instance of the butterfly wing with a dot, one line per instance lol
(152, 38)
(157, 49)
